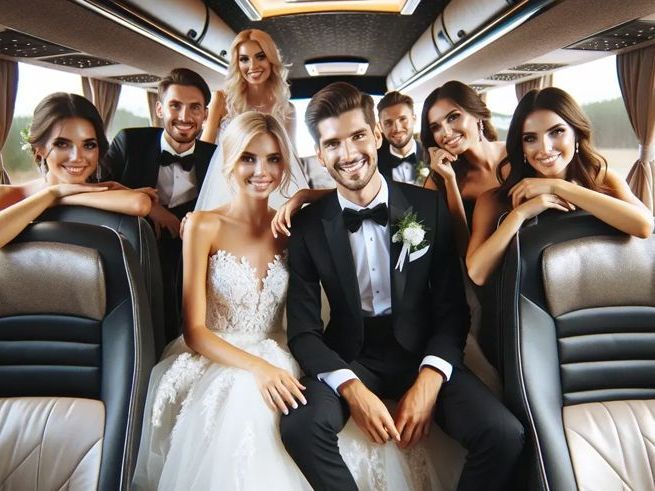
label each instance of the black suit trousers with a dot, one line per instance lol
(466, 410)
(170, 255)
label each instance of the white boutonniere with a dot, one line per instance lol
(411, 233)
(422, 173)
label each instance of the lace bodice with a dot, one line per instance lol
(238, 301)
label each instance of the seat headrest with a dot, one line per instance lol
(51, 278)
(584, 273)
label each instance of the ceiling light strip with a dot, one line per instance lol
(138, 23)
(510, 20)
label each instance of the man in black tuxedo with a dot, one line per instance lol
(395, 331)
(172, 161)
(400, 157)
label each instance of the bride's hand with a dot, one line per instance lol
(278, 387)
(281, 222)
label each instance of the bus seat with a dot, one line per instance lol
(76, 351)
(140, 236)
(578, 302)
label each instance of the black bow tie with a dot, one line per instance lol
(353, 219)
(396, 161)
(168, 158)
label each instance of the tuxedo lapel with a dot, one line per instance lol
(339, 246)
(202, 156)
(398, 207)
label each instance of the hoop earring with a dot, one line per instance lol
(480, 129)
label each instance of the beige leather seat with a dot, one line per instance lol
(76, 349)
(579, 317)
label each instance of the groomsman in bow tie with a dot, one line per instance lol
(172, 161)
(401, 157)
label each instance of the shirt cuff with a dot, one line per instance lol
(337, 377)
(440, 364)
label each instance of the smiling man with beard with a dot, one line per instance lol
(401, 156)
(397, 326)
(172, 161)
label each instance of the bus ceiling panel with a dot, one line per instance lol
(382, 39)
(84, 27)
(459, 20)
(557, 24)
(192, 19)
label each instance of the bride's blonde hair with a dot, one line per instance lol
(236, 87)
(241, 131)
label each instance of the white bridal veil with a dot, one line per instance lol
(216, 190)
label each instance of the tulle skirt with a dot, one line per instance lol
(207, 427)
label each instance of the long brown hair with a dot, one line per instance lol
(471, 102)
(586, 165)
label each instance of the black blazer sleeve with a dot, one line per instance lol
(304, 325)
(450, 312)
(114, 161)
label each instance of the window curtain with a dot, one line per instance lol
(8, 89)
(155, 121)
(523, 88)
(636, 73)
(104, 96)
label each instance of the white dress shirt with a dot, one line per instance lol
(370, 249)
(176, 186)
(405, 172)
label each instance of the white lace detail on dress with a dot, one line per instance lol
(244, 453)
(177, 381)
(234, 301)
(365, 461)
(238, 311)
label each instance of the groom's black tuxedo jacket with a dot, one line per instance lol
(429, 311)
(133, 157)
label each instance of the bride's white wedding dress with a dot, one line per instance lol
(206, 426)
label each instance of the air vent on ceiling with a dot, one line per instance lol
(537, 67)
(18, 45)
(79, 61)
(141, 78)
(623, 36)
(506, 77)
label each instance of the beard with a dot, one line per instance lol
(180, 136)
(354, 184)
(402, 144)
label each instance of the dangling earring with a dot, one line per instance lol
(525, 160)
(98, 173)
(577, 147)
(42, 165)
(480, 129)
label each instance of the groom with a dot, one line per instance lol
(395, 331)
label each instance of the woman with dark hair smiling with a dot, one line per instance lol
(67, 139)
(553, 165)
(457, 132)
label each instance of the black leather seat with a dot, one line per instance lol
(578, 317)
(76, 352)
(140, 236)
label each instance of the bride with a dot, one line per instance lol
(214, 401)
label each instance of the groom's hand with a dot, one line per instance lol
(369, 412)
(414, 412)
